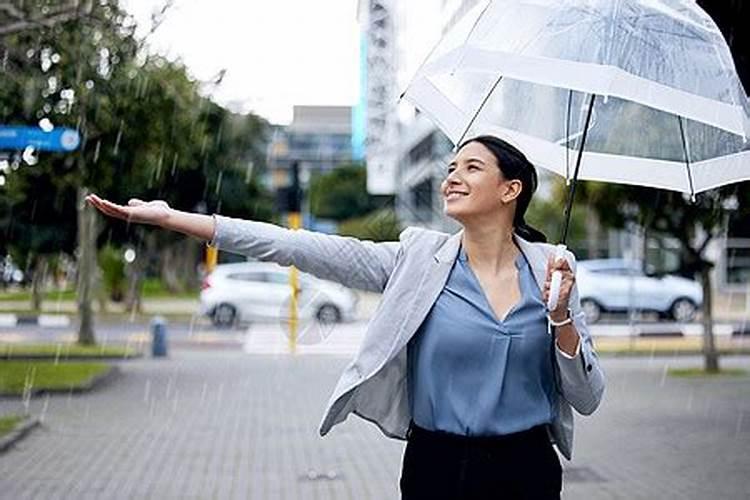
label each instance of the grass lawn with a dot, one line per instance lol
(640, 346)
(64, 350)
(700, 372)
(152, 288)
(46, 375)
(8, 423)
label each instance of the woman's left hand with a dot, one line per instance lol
(566, 286)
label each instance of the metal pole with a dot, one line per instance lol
(572, 191)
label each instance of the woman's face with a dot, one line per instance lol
(474, 185)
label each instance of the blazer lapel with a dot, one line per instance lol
(430, 285)
(536, 257)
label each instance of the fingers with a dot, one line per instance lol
(108, 208)
(134, 202)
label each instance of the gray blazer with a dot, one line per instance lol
(410, 273)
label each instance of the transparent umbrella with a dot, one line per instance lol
(647, 88)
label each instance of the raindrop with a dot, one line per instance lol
(68, 94)
(4, 166)
(97, 150)
(46, 60)
(29, 156)
(47, 108)
(218, 182)
(129, 255)
(55, 58)
(46, 125)
(2, 180)
(116, 149)
(30, 53)
(89, 84)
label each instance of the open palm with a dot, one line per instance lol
(146, 212)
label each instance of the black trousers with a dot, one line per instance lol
(444, 466)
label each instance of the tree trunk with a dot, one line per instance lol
(37, 282)
(709, 346)
(86, 268)
(169, 268)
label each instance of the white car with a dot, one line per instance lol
(619, 285)
(250, 291)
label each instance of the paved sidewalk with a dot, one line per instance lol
(227, 424)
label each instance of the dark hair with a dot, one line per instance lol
(514, 165)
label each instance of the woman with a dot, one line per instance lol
(461, 358)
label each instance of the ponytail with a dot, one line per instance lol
(529, 233)
(514, 165)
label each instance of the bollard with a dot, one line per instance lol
(158, 337)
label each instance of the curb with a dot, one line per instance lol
(96, 382)
(43, 320)
(17, 434)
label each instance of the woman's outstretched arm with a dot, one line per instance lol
(365, 265)
(158, 213)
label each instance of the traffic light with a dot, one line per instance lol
(289, 199)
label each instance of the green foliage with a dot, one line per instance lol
(548, 216)
(112, 264)
(379, 225)
(341, 194)
(148, 132)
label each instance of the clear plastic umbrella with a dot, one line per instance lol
(647, 88)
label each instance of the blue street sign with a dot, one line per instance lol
(17, 138)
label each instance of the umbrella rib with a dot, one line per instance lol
(567, 137)
(686, 152)
(479, 110)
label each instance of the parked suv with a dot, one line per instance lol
(250, 291)
(619, 285)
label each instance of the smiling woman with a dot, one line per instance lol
(462, 358)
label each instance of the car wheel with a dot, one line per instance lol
(224, 316)
(328, 313)
(592, 310)
(683, 310)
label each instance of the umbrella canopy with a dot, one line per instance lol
(648, 85)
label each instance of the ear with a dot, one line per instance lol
(511, 190)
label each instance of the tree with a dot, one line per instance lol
(145, 129)
(342, 194)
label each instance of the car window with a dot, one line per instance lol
(253, 276)
(280, 278)
(617, 271)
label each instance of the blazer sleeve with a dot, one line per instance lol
(582, 379)
(361, 264)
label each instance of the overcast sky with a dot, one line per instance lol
(281, 52)
(277, 53)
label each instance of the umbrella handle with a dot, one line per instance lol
(554, 287)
